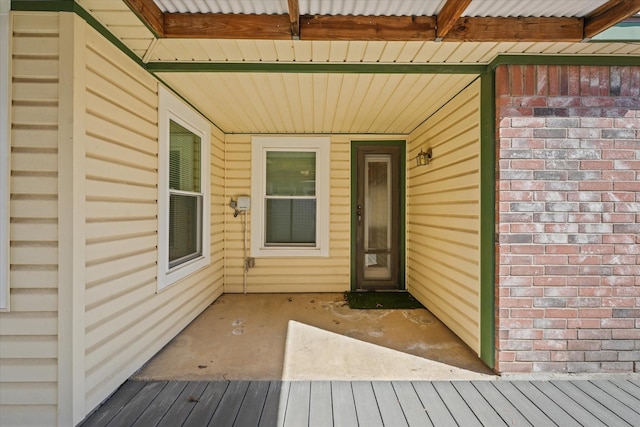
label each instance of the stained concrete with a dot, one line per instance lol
(243, 337)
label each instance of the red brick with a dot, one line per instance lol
(502, 80)
(516, 303)
(516, 80)
(562, 249)
(617, 323)
(583, 323)
(529, 74)
(594, 313)
(565, 313)
(541, 80)
(550, 281)
(592, 292)
(517, 313)
(553, 73)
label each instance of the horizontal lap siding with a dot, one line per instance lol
(289, 274)
(28, 333)
(444, 216)
(127, 322)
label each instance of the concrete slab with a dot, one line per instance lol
(243, 337)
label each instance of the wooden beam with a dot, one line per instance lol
(608, 15)
(294, 17)
(481, 29)
(449, 14)
(148, 13)
(227, 26)
(392, 28)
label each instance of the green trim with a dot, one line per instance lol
(506, 59)
(487, 218)
(403, 206)
(72, 6)
(316, 67)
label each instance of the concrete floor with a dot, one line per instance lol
(312, 337)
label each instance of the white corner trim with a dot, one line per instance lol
(170, 107)
(5, 150)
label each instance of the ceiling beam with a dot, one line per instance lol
(294, 17)
(449, 14)
(226, 26)
(480, 29)
(149, 13)
(608, 15)
(391, 28)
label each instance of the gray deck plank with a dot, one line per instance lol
(617, 407)
(633, 389)
(298, 404)
(269, 416)
(320, 409)
(115, 404)
(413, 409)
(487, 415)
(366, 404)
(607, 415)
(209, 401)
(507, 410)
(578, 412)
(227, 411)
(253, 404)
(612, 389)
(138, 404)
(344, 409)
(161, 404)
(431, 400)
(460, 410)
(390, 408)
(544, 403)
(184, 404)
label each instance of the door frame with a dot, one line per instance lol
(402, 258)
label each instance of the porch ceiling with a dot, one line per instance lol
(173, 36)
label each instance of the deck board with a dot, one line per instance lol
(344, 408)
(605, 402)
(253, 404)
(184, 404)
(320, 410)
(414, 411)
(367, 408)
(207, 404)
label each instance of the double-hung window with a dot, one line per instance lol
(290, 182)
(183, 194)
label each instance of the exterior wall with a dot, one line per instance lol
(330, 274)
(126, 320)
(569, 229)
(443, 216)
(29, 331)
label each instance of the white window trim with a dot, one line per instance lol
(5, 150)
(172, 108)
(260, 145)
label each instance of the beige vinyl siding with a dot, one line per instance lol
(443, 212)
(28, 333)
(127, 321)
(291, 274)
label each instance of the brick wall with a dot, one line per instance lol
(568, 285)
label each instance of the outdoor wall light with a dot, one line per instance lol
(423, 159)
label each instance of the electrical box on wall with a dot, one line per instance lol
(243, 203)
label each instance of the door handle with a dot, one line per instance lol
(359, 213)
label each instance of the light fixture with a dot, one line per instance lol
(423, 159)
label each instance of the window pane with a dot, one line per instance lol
(291, 221)
(184, 159)
(291, 173)
(184, 226)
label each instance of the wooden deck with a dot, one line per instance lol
(590, 403)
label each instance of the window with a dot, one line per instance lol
(183, 194)
(5, 165)
(290, 189)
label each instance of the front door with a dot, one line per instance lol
(378, 217)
